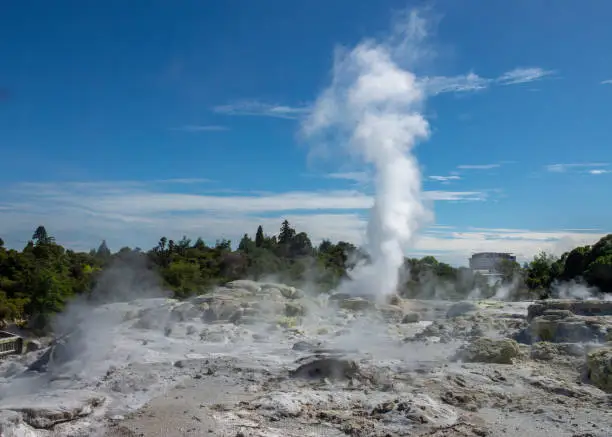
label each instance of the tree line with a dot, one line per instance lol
(40, 279)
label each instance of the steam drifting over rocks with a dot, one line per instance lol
(295, 364)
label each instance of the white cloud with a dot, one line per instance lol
(455, 245)
(445, 178)
(135, 198)
(472, 82)
(255, 108)
(454, 84)
(201, 128)
(137, 213)
(523, 75)
(606, 82)
(598, 171)
(355, 176)
(561, 168)
(184, 181)
(432, 85)
(477, 166)
(455, 195)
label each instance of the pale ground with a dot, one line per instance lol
(221, 379)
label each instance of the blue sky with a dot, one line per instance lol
(132, 120)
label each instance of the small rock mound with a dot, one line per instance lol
(294, 309)
(356, 304)
(599, 368)
(578, 307)
(489, 350)
(391, 313)
(45, 410)
(460, 309)
(545, 351)
(328, 367)
(411, 318)
(567, 322)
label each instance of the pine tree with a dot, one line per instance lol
(246, 244)
(286, 233)
(41, 236)
(259, 237)
(199, 244)
(103, 250)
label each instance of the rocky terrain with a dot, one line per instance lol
(262, 359)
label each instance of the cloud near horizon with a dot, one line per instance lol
(137, 214)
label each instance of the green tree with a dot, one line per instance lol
(246, 245)
(542, 272)
(599, 273)
(47, 294)
(41, 236)
(103, 251)
(199, 244)
(286, 235)
(576, 262)
(300, 246)
(259, 237)
(223, 245)
(183, 244)
(509, 270)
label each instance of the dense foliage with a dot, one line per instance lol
(40, 279)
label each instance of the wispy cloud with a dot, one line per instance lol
(562, 168)
(472, 82)
(598, 171)
(433, 85)
(138, 198)
(184, 181)
(523, 75)
(478, 166)
(606, 82)
(137, 213)
(462, 196)
(454, 84)
(201, 128)
(355, 176)
(444, 178)
(260, 109)
(456, 245)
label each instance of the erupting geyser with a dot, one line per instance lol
(373, 108)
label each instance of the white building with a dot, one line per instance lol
(488, 262)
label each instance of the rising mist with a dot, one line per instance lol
(373, 108)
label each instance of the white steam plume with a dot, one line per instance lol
(373, 107)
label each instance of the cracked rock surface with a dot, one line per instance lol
(261, 359)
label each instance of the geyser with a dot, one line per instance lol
(373, 107)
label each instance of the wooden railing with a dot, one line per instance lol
(10, 344)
